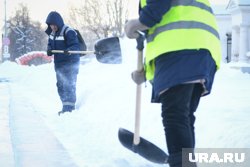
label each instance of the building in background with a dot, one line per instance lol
(240, 13)
(234, 26)
(224, 25)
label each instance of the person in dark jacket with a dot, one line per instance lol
(183, 53)
(62, 37)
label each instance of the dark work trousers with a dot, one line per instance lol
(178, 106)
(66, 76)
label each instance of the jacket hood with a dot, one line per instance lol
(56, 19)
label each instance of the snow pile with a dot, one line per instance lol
(106, 102)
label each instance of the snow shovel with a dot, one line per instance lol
(133, 141)
(107, 51)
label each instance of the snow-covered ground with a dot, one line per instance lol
(106, 102)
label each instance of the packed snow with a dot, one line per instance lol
(106, 102)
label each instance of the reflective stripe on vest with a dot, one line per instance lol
(60, 37)
(183, 25)
(198, 4)
(171, 33)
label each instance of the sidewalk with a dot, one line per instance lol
(26, 140)
(6, 151)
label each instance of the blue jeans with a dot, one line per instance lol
(66, 76)
(178, 106)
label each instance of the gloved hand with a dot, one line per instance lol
(132, 26)
(49, 53)
(66, 52)
(138, 76)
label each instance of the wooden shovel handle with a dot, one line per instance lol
(74, 52)
(136, 139)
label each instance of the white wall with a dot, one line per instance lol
(241, 23)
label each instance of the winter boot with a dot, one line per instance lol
(66, 108)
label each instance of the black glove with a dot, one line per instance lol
(49, 53)
(66, 52)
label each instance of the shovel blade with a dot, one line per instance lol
(145, 148)
(108, 50)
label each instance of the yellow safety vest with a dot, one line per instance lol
(189, 24)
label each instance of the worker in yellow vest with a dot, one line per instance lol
(183, 53)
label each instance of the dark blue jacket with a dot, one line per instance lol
(180, 66)
(61, 40)
(153, 12)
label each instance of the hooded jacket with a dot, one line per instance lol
(61, 40)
